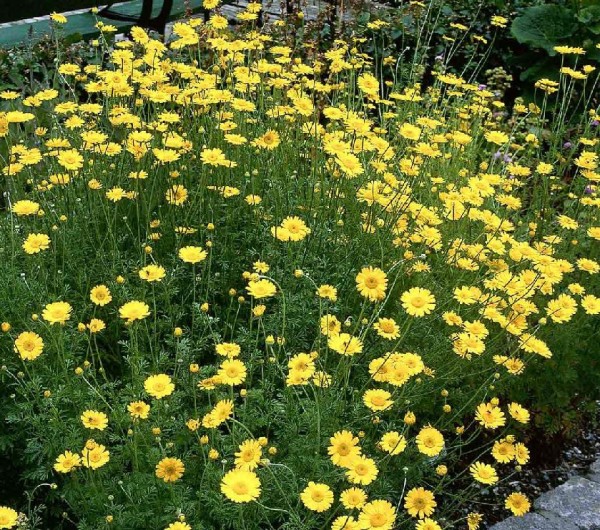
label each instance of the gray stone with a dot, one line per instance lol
(594, 473)
(530, 521)
(554, 519)
(576, 501)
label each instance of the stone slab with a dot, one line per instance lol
(576, 501)
(530, 521)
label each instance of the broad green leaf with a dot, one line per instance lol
(544, 26)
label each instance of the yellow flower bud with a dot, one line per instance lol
(410, 418)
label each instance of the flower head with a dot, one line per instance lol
(134, 310)
(159, 386)
(239, 485)
(170, 469)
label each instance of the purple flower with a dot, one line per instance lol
(588, 190)
(507, 159)
(595, 123)
(482, 87)
(567, 145)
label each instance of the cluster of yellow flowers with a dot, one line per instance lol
(425, 271)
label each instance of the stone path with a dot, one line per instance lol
(574, 505)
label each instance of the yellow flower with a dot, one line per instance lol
(378, 399)
(139, 410)
(213, 157)
(393, 443)
(588, 265)
(253, 200)
(100, 295)
(192, 254)
(362, 470)
(368, 84)
(134, 310)
(159, 386)
(420, 503)
(93, 419)
(518, 504)
(490, 416)
(178, 525)
(371, 283)
(418, 302)
(94, 455)
(330, 325)
(483, 473)
(152, 273)
(8, 517)
(427, 524)
(228, 349)
(499, 21)
(564, 50)
(410, 132)
(291, 229)
(387, 328)
(249, 455)
(35, 243)
(176, 195)
(496, 137)
(345, 344)
(25, 207)
(378, 514)
(503, 451)
(57, 312)
(261, 288)
(473, 520)
(270, 140)
(519, 413)
(317, 497)
(29, 345)
(232, 372)
(591, 304)
(353, 498)
(349, 164)
(430, 441)
(327, 291)
(58, 18)
(67, 462)
(170, 469)
(96, 325)
(239, 485)
(70, 159)
(521, 454)
(343, 448)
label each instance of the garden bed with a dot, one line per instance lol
(261, 277)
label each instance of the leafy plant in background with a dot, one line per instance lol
(543, 27)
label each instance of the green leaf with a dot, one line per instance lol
(590, 16)
(544, 26)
